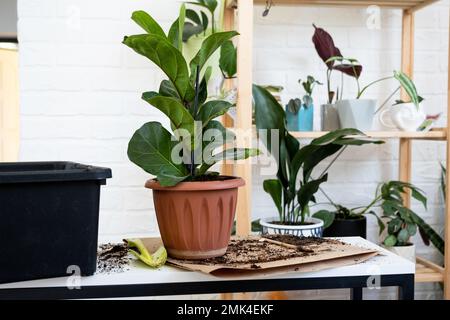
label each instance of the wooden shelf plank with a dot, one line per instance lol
(412, 5)
(440, 134)
(427, 271)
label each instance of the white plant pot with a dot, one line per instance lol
(407, 252)
(356, 113)
(403, 116)
(315, 229)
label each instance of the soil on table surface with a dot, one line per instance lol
(112, 258)
(253, 251)
(290, 223)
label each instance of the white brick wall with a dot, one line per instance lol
(80, 95)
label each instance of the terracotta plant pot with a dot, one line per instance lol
(195, 218)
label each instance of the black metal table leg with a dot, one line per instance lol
(406, 289)
(356, 293)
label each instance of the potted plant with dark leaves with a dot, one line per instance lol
(358, 113)
(326, 49)
(296, 183)
(300, 112)
(194, 207)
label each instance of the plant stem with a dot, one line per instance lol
(387, 100)
(197, 82)
(332, 161)
(370, 84)
(330, 99)
(213, 29)
(370, 205)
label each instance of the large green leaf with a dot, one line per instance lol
(203, 90)
(208, 47)
(192, 27)
(316, 157)
(211, 5)
(146, 22)
(428, 233)
(307, 191)
(326, 216)
(275, 189)
(174, 36)
(334, 135)
(229, 154)
(191, 30)
(167, 57)
(269, 115)
(408, 86)
(215, 135)
(151, 149)
(174, 110)
(212, 109)
(228, 59)
(193, 16)
(167, 89)
(346, 141)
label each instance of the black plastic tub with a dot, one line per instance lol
(347, 228)
(48, 219)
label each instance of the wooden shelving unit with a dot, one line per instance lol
(239, 14)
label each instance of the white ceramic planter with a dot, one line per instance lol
(404, 116)
(315, 229)
(407, 252)
(356, 113)
(329, 118)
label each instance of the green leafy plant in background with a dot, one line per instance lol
(199, 22)
(182, 97)
(295, 185)
(402, 222)
(294, 105)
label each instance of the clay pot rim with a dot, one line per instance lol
(231, 183)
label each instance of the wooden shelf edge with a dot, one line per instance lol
(410, 5)
(436, 134)
(427, 271)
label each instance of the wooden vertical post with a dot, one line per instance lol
(405, 145)
(227, 121)
(9, 105)
(447, 202)
(244, 111)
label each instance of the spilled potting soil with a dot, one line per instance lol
(112, 258)
(253, 251)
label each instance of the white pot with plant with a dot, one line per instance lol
(296, 184)
(400, 223)
(404, 115)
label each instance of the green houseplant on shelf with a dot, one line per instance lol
(397, 223)
(295, 186)
(300, 112)
(194, 206)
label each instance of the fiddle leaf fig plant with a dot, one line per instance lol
(188, 151)
(295, 186)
